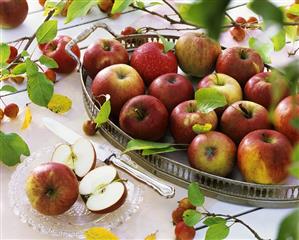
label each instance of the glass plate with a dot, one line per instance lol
(76, 220)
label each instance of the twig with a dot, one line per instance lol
(173, 9)
(230, 18)
(293, 53)
(148, 29)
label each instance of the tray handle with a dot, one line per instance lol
(83, 35)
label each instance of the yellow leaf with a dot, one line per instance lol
(99, 233)
(60, 103)
(27, 118)
(151, 236)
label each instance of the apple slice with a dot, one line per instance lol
(80, 156)
(102, 190)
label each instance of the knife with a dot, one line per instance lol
(71, 136)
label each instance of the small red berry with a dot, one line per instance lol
(13, 54)
(238, 33)
(177, 215)
(184, 232)
(128, 30)
(240, 20)
(185, 203)
(11, 110)
(51, 75)
(89, 127)
(252, 20)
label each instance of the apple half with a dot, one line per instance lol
(102, 190)
(80, 157)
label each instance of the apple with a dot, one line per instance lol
(223, 83)
(212, 152)
(264, 157)
(121, 81)
(102, 190)
(144, 117)
(171, 89)
(197, 54)
(243, 117)
(184, 232)
(151, 61)
(285, 111)
(56, 49)
(240, 63)
(80, 157)
(52, 188)
(12, 13)
(184, 116)
(259, 89)
(103, 53)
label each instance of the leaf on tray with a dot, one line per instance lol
(12, 147)
(138, 144)
(27, 118)
(48, 62)
(217, 232)
(191, 217)
(152, 236)
(168, 46)
(99, 233)
(147, 152)
(201, 128)
(105, 110)
(46, 32)
(79, 8)
(60, 104)
(195, 195)
(120, 5)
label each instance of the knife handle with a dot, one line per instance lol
(162, 188)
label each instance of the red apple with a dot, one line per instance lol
(243, 117)
(264, 156)
(56, 50)
(171, 89)
(151, 62)
(103, 53)
(285, 111)
(212, 152)
(12, 13)
(184, 116)
(240, 63)
(197, 54)
(52, 188)
(259, 89)
(13, 54)
(144, 117)
(121, 81)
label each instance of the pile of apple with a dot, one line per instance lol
(148, 97)
(52, 188)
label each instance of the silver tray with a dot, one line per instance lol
(165, 167)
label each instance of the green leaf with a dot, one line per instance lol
(295, 122)
(79, 8)
(4, 72)
(4, 53)
(19, 69)
(120, 5)
(12, 147)
(139, 4)
(289, 227)
(279, 40)
(31, 67)
(155, 3)
(47, 31)
(214, 220)
(294, 169)
(195, 195)
(8, 88)
(191, 217)
(138, 144)
(53, 4)
(147, 152)
(24, 53)
(264, 49)
(206, 13)
(48, 62)
(201, 128)
(209, 99)
(40, 89)
(168, 46)
(291, 74)
(217, 232)
(103, 115)
(295, 154)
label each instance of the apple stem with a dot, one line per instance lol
(246, 113)
(139, 113)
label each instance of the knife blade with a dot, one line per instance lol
(71, 137)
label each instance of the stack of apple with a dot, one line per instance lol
(52, 188)
(148, 97)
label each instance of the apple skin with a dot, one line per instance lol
(285, 111)
(171, 89)
(144, 117)
(12, 13)
(259, 89)
(235, 124)
(150, 61)
(197, 54)
(240, 63)
(264, 156)
(121, 81)
(184, 116)
(56, 49)
(212, 152)
(103, 53)
(52, 188)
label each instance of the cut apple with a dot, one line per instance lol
(80, 156)
(102, 190)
